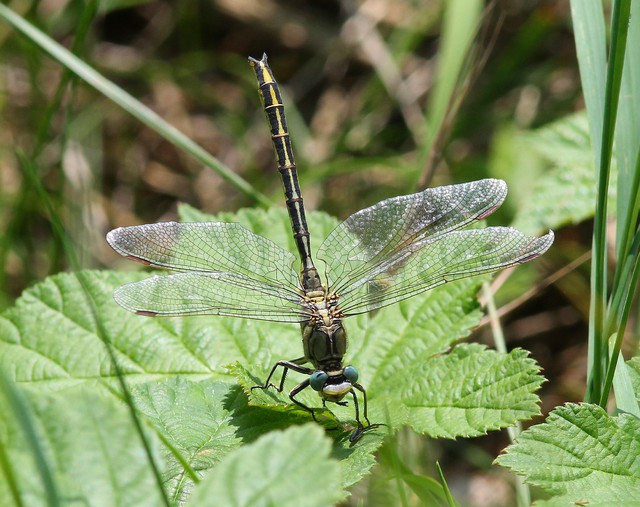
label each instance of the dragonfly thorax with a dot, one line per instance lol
(324, 345)
(310, 279)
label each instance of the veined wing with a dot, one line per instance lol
(373, 235)
(226, 270)
(202, 293)
(213, 247)
(428, 263)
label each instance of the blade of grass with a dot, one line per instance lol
(89, 12)
(384, 63)
(31, 175)
(128, 103)
(460, 24)
(20, 410)
(619, 314)
(9, 471)
(598, 350)
(62, 235)
(445, 487)
(124, 392)
(632, 208)
(124, 389)
(619, 30)
(589, 33)
(628, 142)
(625, 71)
(184, 462)
(396, 466)
(523, 493)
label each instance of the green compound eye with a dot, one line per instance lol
(351, 373)
(318, 380)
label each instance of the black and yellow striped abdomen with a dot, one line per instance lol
(274, 110)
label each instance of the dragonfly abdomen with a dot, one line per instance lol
(274, 110)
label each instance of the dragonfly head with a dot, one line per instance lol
(334, 385)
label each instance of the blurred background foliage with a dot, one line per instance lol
(358, 80)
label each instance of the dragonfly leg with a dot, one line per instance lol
(294, 364)
(355, 436)
(292, 396)
(364, 397)
(358, 432)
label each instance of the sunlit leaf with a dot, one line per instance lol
(582, 453)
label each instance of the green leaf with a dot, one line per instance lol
(390, 348)
(271, 409)
(633, 365)
(50, 340)
(191, 378)
(18, 425)
(89, 440)
(283, 468)
(597, 498)
(567, 192)
(462, 19)
(195, 422)
(582, 453)
(625, 388)
(405, 336)
(477, 390)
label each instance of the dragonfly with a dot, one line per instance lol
(380, 255)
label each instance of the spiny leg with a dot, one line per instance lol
(292, 396)
(294, 364)
(359, 431)
(364, 405)
(296, 390)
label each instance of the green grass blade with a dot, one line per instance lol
(20, 411)
(9, 477)
(127, 102)
(461, 20)
(590, 37)
(124, 388)
(620, 309)
(59, 230)
(523, 493)
(89, 12)
(589, 32)
(627, 148)
(445, 487)
(587, 16)
(630, 210)
(619, 30)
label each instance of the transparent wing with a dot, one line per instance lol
(226, 270)
(215, 247)
(201, 293)
(429, 263)
(368, 238)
